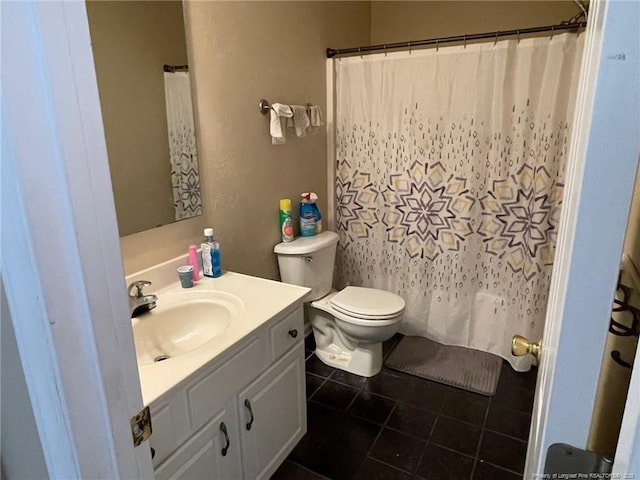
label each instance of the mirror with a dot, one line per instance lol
(141, 63)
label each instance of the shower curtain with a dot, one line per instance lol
(185, 179)
(449, 181)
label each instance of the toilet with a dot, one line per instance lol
(349, 326)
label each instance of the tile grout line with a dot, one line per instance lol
(452, 450)
(393, 467)
(500, 467)
(476, 456)
(510, 437)
(307, 469)
(375, 440)
(385, 425)
(427, 442)
(367, 455)
(324, 380)
(438, 413)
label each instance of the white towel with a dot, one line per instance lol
(278, 111)
(300, 120)
(315, 118)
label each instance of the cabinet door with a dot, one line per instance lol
(170, 421)
(205, 455)
(273, 415)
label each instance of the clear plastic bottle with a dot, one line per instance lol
(211, 261)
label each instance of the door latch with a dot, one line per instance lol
(141, 426)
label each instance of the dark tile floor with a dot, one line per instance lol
(397, 426)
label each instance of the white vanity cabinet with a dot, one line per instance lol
(209, 453)
(274, 416)
(240, 415)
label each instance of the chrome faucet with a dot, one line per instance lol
(140, 303)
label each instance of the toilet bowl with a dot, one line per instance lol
(349, 338)
(349, 326)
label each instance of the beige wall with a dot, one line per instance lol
(131, 42)
(398, 21)
(632, 238)
(243, 51)
(144, 249)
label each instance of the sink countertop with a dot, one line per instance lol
(263, 300)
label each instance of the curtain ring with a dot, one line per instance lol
(496, 39)
(361, 58)
(553, 27)
(518, 36)
(437, 45)
(384, 47)
(409, 42)
(465, 41)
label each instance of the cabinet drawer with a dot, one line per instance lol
(286, 333)
(207, 394)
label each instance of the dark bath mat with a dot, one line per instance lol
(459, 367)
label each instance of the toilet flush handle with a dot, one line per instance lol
(307, 258)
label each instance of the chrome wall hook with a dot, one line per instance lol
(264, 106)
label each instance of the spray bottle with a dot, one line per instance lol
(286, 224)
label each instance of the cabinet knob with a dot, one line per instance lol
(293, 332)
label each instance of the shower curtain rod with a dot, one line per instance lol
(332, 52)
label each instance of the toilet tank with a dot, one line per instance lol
(309, 261)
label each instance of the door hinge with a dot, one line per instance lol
(141, 426)
(565, 459)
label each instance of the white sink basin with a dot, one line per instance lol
(183, 322)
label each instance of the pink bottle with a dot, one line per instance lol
(193, 260)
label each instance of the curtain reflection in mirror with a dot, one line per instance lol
(183, 155)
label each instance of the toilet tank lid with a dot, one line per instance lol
(304, 245)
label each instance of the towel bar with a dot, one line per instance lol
(265, 106)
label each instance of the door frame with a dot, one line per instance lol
(61, 261)
(590, 238)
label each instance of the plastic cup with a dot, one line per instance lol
(186, 276)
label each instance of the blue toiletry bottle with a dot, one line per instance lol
(211, 261)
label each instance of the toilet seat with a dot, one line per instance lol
(363, 322)
(368, 304)
(356, 298)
